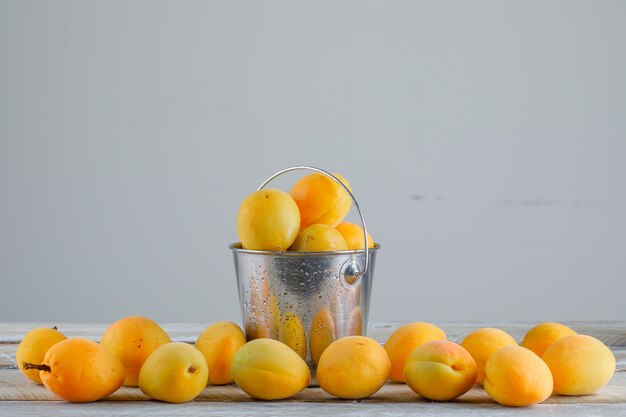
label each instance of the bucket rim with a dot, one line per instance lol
(236, 247)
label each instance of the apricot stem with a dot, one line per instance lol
(41, 367)
(191, 369)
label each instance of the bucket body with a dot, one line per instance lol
(304, 299)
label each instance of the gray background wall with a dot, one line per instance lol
(486, 141)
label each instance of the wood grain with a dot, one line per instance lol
(14, 387)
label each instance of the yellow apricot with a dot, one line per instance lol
(580, 364)
(321, 200)
(268, 220)
(132, 340)
(291, 333)
(218, 343)
(482, 343)
(322, 333)
(515, 376)
(404, 340)
(273, 315)
(353, 233)
(319, 238)
(80, 370)
(33, 348)
(267, 369)
(353, 367)
(540, 337)
(440, 370)
(175, 372)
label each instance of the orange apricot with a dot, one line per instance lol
(353, 367)
(515, 376)
(540, 337)
(404, 340)
(321, 200)
(353, 233)
(322, 334)
(482, 343)
(440, 370)
(580, 364)
(218, 343)
(132, 340)
(80, 370)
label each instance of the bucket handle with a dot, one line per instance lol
(351, 270)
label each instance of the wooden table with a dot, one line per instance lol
(19, 396)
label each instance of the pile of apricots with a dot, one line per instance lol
(136, 351)
(307, 219)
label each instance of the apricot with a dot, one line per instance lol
(322, 334)
(132, 340)
(268, 220)
(218, 343)
(267, 369)
(33, 348)
(353, 233)
(319, 238)
(580, 364)
(321, 200)
(482, 343)
(273, 315)
(353, 367)
(440, 370)
(404, 340)
(291, 333)
(540, 337)
(515, 376)
(80, 370)
(175, 372)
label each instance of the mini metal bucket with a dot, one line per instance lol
(305, 299)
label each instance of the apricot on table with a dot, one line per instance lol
(33, 348)
(580, 364)
(268, 220)
(132, 340)
(353, 367)
(319, 238)
(291, 332)
(218, 344)
(175, 372)
(482, 343)
(267, 369)
(404, 340)
(353, 233)
(440, 370)
(540, 337)
(515, 376)
(80, 370)
(321, 200)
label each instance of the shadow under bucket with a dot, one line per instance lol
(304, 299)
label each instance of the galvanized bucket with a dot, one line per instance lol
(305, 299)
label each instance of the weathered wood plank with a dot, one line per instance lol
(14, 387)
(258, 409)
(612, 333)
